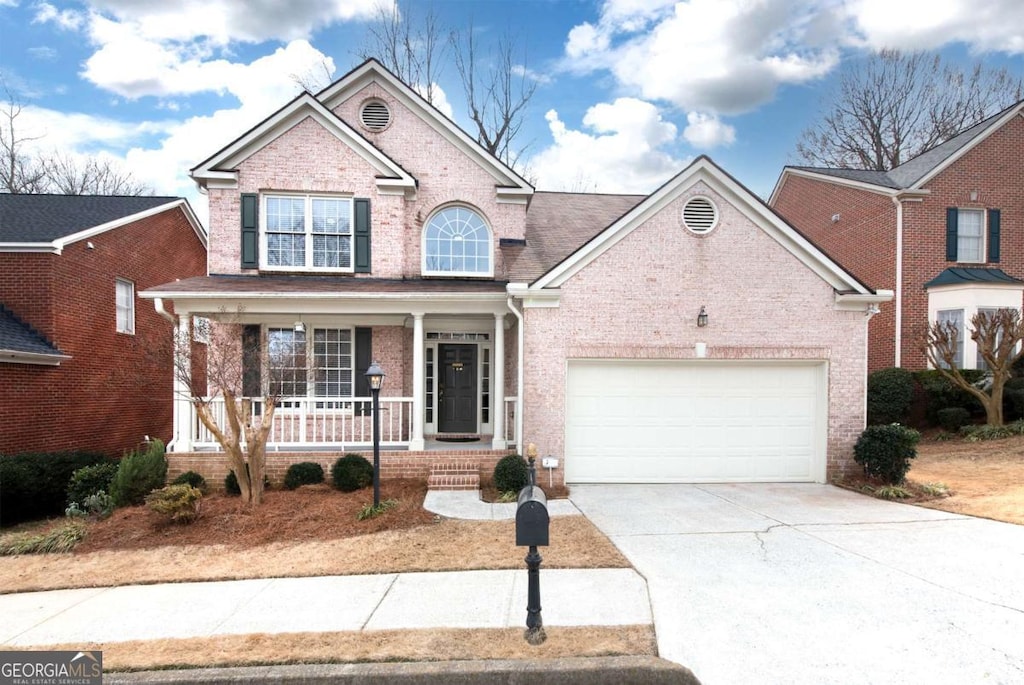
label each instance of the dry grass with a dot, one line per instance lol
(371, 646)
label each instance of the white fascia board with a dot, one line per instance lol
(61, 243)
(836, 180)
(17, 357)
(48, 248)
(938, 169)
(975, 285)
(296, 304)
(862, 301)
(371, 71)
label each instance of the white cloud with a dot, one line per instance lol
(530, 74)
(69, 20)
(43, 52)
(440, 99)
(705, 131)
(992, 25)
(621, 153)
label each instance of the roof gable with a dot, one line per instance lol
(509, 184)
(20, 343)
(47, 223)
(221, 169)
(703, 169)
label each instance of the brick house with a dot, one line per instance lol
(631, 338)
(942, 230)
(77, 366)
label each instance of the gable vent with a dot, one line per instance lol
(700, 215)
(375, 115)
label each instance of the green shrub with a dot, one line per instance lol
(940, 392)
(138, 474)
(890, 392)
(986, 432)
(370, 511)
(1013, 399)
(89, 480)
(953, 419)
(35, 485)
(511, 474)
(231, 485)
(303, 473)
(97, 505)
(57, 540)
(351, 472)
(180, 503)
(885, 451)
(192, 478)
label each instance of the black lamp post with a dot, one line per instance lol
(375, 375)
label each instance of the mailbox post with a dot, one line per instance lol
(532, 531)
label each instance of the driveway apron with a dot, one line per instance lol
(809, 583)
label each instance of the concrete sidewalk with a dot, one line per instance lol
(463, 599)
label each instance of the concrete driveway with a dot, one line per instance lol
(795, 583)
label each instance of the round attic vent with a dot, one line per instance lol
(700, 215)
(375, 115)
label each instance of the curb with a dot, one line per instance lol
(569, 671)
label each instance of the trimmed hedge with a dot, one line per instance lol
(952, 419)
(351, 472)
(940, 393)
(511, 473)
(139, 474)
(35, 485)
(192, 478)
(890, 393)
(303, 473)
(885, 451)
(231, 485)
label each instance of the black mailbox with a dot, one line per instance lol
(532, 518)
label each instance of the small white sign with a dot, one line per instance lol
(549, 462)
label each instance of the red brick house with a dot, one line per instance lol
(942, 230)
(649, 338)
(77, 367)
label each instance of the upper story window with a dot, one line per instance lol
(970, 235)
(457, 242)
(125, 305)
(308, 232)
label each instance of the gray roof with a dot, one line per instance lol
(45, 218)
(909, 173)
(557, 225)
(961, 275)
(16, 336)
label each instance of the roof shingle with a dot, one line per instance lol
(45, 218)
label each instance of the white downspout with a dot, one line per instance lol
(898, 356)
(158, 303)
(519, 375)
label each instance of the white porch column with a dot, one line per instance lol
(183, 417)
(498, 384)
(418, 382)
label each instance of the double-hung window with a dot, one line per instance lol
(970, 235)
(320, 365)
(956, 318)
(125, 305)
(308, 232)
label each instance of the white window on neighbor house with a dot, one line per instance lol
(457, 242)
(308, 232)
(970, 235)
(956, 317)
(320, 365)
(201, 330)
(125, 305)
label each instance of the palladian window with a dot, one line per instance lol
(457, 242)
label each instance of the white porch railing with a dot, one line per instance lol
(320, 422)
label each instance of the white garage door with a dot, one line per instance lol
(691, 422)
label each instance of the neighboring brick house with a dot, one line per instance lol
(79, 367)
(943, 230)
(688, 335)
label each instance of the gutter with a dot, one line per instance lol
(898, 355)
(158, 304)
(520, 354)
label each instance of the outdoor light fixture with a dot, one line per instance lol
(300, 327)
(702, 317)
(375, 376)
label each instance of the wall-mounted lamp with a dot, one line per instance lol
(702, 317)
(300, 327)
(974, 196)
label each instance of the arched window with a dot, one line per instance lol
(456, 242)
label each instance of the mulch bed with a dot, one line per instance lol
(312, 512)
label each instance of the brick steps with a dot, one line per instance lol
(454, 476)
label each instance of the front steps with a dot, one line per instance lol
(454, 476)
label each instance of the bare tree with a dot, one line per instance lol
(892, 106)
(20, 173)
(497, 92)
(234, 364)
(998, 335)
(415, 56)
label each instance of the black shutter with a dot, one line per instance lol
(993, 235)
(250, 231)
(362, 235)
(951, 214)
(364, 357)
(251, 381)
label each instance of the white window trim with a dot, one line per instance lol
(983, 252)
(129, 327)
(459, 274)
(310, 370)
(971, 299)
(307, 218)
(961, 333)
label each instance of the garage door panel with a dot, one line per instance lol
(639, 421)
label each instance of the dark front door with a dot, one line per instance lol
(457, 396)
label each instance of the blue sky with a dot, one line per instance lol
(628, 91)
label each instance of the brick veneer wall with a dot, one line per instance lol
(116, 388)
(640, 300)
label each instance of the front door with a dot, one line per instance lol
(457, 389)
